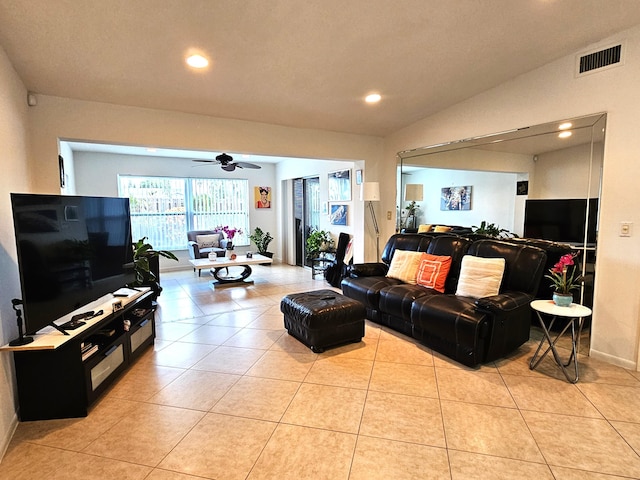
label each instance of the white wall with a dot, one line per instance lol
(14, 178)
(552, 93)
(492, 197)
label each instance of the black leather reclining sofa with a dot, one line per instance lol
(470, 331)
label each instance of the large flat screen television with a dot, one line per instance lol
(561, 220)
(72, 250)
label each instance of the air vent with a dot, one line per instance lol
(608, 57)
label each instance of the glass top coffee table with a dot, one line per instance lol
(231, 273)
(574, 315)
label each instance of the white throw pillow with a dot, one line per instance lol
(208, 241)
(404, 266)
(480, 277)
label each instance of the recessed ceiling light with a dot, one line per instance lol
(565, 126)
(197, 61)
(372, 98)
(564, 135)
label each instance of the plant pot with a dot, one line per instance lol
(268, 255)
(562, 299)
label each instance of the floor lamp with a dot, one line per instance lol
(413, 193)
(371, 193)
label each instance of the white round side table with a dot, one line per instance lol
(575, 314)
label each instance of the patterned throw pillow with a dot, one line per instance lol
(404, 266)
(480, 277)
(424, 228)
(433, 271)
(208, 241)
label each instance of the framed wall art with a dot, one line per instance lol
(455, 198)
(338, 214)
(340, 186)
(262, 197)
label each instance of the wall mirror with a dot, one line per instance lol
(541, 181)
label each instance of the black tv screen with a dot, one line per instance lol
(561, 220)
(72, 250)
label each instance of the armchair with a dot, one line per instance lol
(203, 242)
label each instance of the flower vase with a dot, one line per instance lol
(562, 299)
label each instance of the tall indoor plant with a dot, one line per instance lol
(146, 264)
(262, 240)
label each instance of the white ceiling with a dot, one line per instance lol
(298, 63)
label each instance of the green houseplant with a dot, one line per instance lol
(491, 230)
(146, 264)
(262, 240)
(318, 241)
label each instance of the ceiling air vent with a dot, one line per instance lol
(608, 57)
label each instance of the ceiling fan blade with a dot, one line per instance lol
(229, 168)
(247, 165)
(203, 160)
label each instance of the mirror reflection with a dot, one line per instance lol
(540, 182)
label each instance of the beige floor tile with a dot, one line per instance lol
(32, 462)
(441, 361)
(561, 473)
(254, 338)
(195, 389)
(220, 446)
(241, 318)
(403, 350)
(341, 372)
(474, 466)
(181, 355)
(283, 366)
(630, 432)
(404, 379)
(230, 360)
(287, 343)
(473, 387)
(146, 434)
(268, 321)
(324, 406)
(143, 380)
(159, 474)
(582, 443)
(301, 453)
(210, 334)
(496, 431)
(615, 402)
(259, 398)
(172, 331)
(74, 433)
(217, 307)
(380, 459)
(549, 395)
(403, 418)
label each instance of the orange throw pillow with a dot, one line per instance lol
(433, 271)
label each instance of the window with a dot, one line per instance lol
(165, 208)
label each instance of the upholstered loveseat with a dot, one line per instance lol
(203, 242)
(459, 321)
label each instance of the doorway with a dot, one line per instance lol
(306, 214)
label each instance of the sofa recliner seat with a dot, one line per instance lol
(471, 331)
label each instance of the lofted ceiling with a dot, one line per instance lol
(296, 63)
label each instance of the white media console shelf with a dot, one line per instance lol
(60, 376)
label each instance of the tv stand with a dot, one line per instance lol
(60, 375)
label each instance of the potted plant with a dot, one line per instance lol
(146, 264)
(564, 279)
(262, 240)
(491, 230)
(318, 241)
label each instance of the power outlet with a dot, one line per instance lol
(388, 214)
(625, 229)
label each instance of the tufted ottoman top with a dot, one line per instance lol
(321, 308)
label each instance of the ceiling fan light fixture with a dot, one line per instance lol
(373, 98)
(197, 61)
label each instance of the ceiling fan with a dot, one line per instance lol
(226, 162)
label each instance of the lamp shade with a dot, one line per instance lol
(370, 192)
(413, 192)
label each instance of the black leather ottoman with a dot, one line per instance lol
(323, 318)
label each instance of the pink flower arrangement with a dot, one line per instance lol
(563, 274)
(229, 232)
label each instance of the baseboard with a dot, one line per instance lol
(4, 444)
(620, 362)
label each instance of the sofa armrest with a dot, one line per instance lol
(223, 243)
(504, 303)
(375, 269)
(194, 250)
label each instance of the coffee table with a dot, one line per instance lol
(223, 263)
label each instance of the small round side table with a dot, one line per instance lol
(575, 314)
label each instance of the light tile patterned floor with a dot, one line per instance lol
(227, 394)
